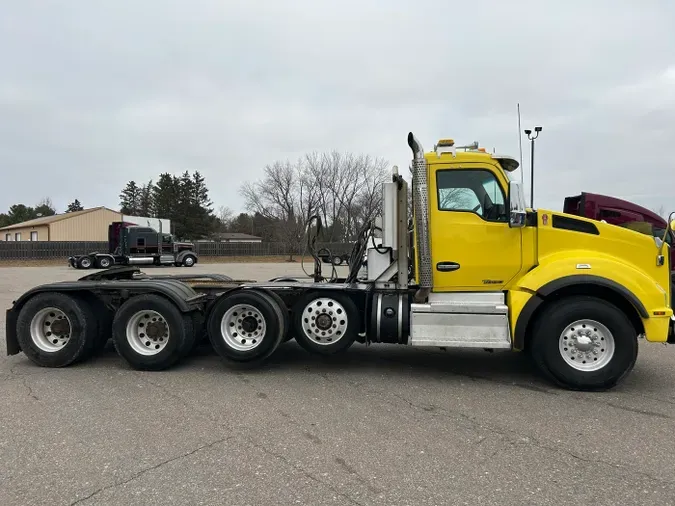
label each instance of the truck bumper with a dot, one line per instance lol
(11, 340)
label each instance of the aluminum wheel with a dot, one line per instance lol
(243, 327)
(85, 263)
(586, 345)
(324, 321)
(189, 261)
(147, 332)
(50, 329)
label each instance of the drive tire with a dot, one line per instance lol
(285, 314)
(171, 338)
(35, 318)
(614, 341)
(85, 262)
(103, 262)
(343, 330)
(251, 311)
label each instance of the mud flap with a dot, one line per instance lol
(12, 342)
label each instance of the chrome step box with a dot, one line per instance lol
(461, 320)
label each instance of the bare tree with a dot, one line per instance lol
(225, 217)
(349, 191)
(287, 195)
(343, 189)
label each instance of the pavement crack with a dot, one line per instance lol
(24, 382)
(349, 469)
(247, 439)
(638, 411)
(510, 436)
(301, 470)
(148, 469)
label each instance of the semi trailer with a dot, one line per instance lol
(468, 267)
(129, 244)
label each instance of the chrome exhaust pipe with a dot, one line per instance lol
(421, 208)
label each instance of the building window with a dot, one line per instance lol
(17, 236)
(8, 237)
(33, 236)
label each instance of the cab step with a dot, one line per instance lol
(461, 320)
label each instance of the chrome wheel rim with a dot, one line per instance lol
(324, 321)
(586, 345)
(243, 327)
(85, 262)
(50, 329)
(189, 261)
(105, 262)
(147, 332)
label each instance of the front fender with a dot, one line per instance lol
(180, 256)
(587, 273)
(644, 288)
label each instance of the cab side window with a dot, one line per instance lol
(475, 191)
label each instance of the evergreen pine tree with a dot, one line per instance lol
(74, 206)
(130, 199)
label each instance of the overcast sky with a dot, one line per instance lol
(93, 93)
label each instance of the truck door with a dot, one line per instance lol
(472, 246)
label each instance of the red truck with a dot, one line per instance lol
(620, 212)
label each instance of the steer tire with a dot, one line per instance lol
(170, 335)
(339, 335)
(36, 340)
(189, 261)
(560, 331)
(246, 326)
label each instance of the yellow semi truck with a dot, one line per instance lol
(468, 267)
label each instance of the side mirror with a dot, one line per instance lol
(517, 210)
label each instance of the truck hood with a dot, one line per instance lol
(581, 240)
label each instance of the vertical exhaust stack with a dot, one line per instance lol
(421, 208)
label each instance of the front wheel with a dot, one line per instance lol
(584, 343)
(189, 261)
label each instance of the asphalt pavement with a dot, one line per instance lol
(381, 425)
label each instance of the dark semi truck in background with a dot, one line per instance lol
(133, 245)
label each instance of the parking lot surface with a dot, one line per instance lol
(380, 425)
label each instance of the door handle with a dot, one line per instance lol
(447, 266)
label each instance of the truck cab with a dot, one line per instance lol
(493, 274)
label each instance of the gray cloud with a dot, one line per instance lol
(93, 94)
